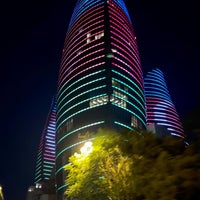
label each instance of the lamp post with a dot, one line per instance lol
(1, 193)
(87, 148)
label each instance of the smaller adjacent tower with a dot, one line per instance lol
(46, 152)
(161, 112)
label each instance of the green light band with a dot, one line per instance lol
(130, 104)
(78, 129)
(93, 89)
(129, 81)
(86, 84)
(128, 86)
(59, 95)
(61, 187)
(129, 95)
(130, 112)
(79, 104)
(124, 125)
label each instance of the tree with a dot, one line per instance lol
(134, 166)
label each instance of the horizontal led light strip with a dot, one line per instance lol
(77, 47)
(157, 80)
(139, 76)
(128, 86)
(132, 98)
(84, 77)
(83, 23)
(158, 111)
(61, 187)
(127, 28)
(83, 64)
(142, 113)
(160, 114)
(78, 60)
(131, 74)
(115, 30)
(118, 66)
(79, 42)
(82, 7)
(159, 87)
(126, 45)
(123, 125)
(157, 100)
(68, 60)
(75, 97)
(82, 33)
(132, 55)
(117, 88)
(144, 123)
(128, 79)
(85, 70)
(169, 125)
(78, 129)
(122, 5)
(163, 119)
(93, 89)
(158, 94)
(81, 86)
(81, 102)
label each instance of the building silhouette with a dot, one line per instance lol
(100, 79)
(162, 116)
(46, 152)
(45, 187)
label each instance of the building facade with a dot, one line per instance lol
(161, 112)
(100, 79)
(45, 162)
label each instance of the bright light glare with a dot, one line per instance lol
(87, 148)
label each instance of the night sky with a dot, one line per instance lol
(32, 35)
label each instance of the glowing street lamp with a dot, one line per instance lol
(87, 148)
(1, 193)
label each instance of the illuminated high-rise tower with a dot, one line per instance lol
(100, 80)
(46, 152)
(161, 111)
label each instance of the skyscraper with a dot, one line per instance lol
(46, 151)
(160, 108)
(100, 79)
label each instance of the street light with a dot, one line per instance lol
(1, 193)
(87, 148)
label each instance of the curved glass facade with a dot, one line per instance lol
(160, 108)
(100, 80)
(46, 151)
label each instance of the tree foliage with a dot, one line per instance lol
(135, 166)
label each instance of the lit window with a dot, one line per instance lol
(99, 101)
(119, 98)
(135, 122)
(31, 189)
(99, 36)
(114, 50)
(38, 185)
(88, 38)
(115, 83)
(79, 52)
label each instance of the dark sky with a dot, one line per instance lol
(31, 40)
